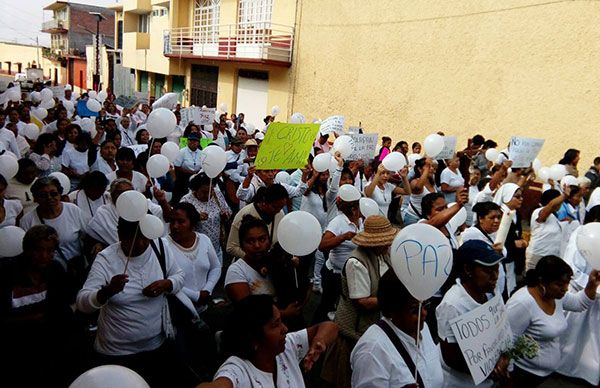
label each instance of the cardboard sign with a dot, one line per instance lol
(482, 335)
(286, 146)
(523, 151)
(203, 116)
(365, 146)
(449, 148)
(126, 101)
(333, 124)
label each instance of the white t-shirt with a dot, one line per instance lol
(138, 180)
(313, 203)
(338, 255)
(12, 209)
(526, 317)
(546, 237)
(452, 179)
(376, 362)
(241, 272)
(191, 160)
(88, 207)
(101, 165)
(76, 160)
(69, 225)
(243, 374)
(357, 276)
(383, 197)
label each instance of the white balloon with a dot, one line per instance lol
(35, 96)
(64, 180)
(102, 95)
(537, 165)
(544, 174)
(558, 172)
(109, 376)
(47, 103)
(92, 94)
(132, 205)
(282, 177)
(46, 94)
(349, 193)
(93, 105)
(433, 145)
(299, 233)
(412, 159)
(9, 166)
(161, 122)
(250, 128)
(394, 161)
(569, 180)
(594, 199)
(368, 207)
(11, 241)
(275, 110)
(321, 162)
(168, 100)
(459, 218)
(69, 106)
(297, 118)
(14, 96)
(74, 96)
(421, 257)
(345, 145)
(31, 131)
(214, 161)
(170, 150)
(152, 227)
(157, 166)
(492, 155)
(588, 239)
(40, 113)
(333, 165)
(223, 107)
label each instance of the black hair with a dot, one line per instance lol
(190, 211)
(392, 295)
(25, 163)
(574, 190)
(188, 129)
(548, 196)
(482, 209)
(347, 171)
(84, 137)
(415, 144)
(107, 141)
(94, 179)
(42, 141)
(399, 145)
(548, 269)
(38, 233)
(127, 229)
(71, 126)
(593, 215)
(386, 139)
(419, 163)
(138, 134)
(3, 182)
(483, 182)
(112, 136)
(597, 160)
(275, 192)
(43, 182)
(246, 324)
(125, 153)
(569, 156)
(427, 203)
(250, 222)
(478, 140)
(198, 181)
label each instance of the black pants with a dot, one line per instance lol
(524, 379)
(332, 289)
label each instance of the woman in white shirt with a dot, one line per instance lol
(546, 229)
(91, 195)
(386, 354)
(538, 310)
(105, 162)
(382, 192)
(75, 160)
(125, 162)
(451, 179)
(11, 210)
(127, 128)
(477, 265)
(263, 353)
(421, 184)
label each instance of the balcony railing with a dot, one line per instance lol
(261, 42)
(54, 24)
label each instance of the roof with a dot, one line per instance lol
(60, 4)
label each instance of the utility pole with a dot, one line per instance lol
(96, 77)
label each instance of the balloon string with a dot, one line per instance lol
(418, 337)
(131, 248)
(209, 188)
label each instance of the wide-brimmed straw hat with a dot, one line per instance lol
(378, 232)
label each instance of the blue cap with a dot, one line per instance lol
(479, 252)
(193, 136)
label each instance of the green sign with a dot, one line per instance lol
(286, 146)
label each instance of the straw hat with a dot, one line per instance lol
(378, 232)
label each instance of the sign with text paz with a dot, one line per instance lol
(482, 335)
(449, 148)
(524, 150)
(286, 146)
(365, 146)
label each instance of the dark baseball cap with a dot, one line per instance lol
(236, 140)
(193, 136)
(480, 252)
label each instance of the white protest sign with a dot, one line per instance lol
(204, 116)
(186, 116)
(449, 148)
(482, 335)
(524, 150)
(332, 124)
(365, 146)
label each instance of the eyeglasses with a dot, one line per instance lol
(48, 194)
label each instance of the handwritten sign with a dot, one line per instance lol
(524, 150)
(449, 148)
(286, 146)
(332, 124)
(204, 116)
(365, 146)
(482, 335)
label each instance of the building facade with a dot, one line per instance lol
(16, 58)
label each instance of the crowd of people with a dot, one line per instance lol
(216, 301)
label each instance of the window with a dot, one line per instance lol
(206, 20)
(144, 23)
(254, 20)
(120, 35)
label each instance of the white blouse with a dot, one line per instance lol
(383, 197)
(546, 237)
(452, 179)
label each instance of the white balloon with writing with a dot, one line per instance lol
(421, 257)
(299, 233)
(132, 206)
(109, 376)
(11, 241)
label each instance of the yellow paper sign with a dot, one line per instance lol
(286, 146)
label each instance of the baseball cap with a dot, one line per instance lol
(236, 140)
(193, 136)
(479, 252)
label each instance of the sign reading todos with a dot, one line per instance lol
(483, 334)
(286, 146)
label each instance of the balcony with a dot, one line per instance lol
(256, 42)
(137, 6)
(136, 41)
(55, 26)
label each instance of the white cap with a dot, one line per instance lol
(68, 87)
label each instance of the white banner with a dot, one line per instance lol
(483, 334)
(197, 115)
(365, 146)
(449, 148)
(524, 150)
(332, 124)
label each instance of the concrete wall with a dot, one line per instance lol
(409, 68)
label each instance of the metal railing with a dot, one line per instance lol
(54, 24)
(260, 41)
